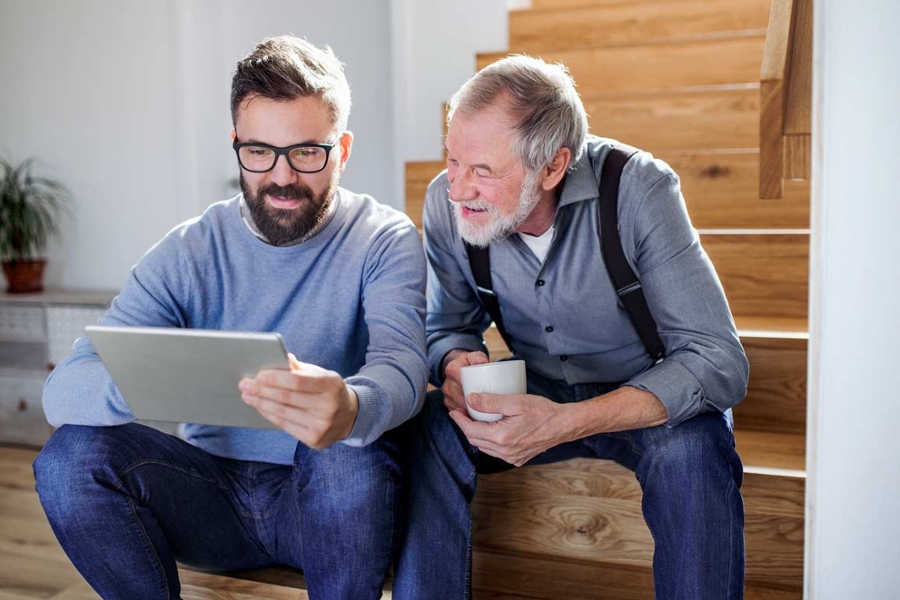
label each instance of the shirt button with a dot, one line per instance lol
(564, 358)
(549, 328)
(540, 282)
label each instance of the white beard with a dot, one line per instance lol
(499, 226)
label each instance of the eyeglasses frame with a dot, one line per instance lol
(284, 151)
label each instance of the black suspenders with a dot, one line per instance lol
(623, 278)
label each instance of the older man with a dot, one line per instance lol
(524, 180)
(342, 278)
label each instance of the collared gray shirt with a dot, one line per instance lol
(564, 316)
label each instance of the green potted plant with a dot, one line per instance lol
(30, 207)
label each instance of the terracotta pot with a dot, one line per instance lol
(24, 276)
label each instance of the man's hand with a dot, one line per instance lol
(310, 403)
(530, 425)
(452, 388)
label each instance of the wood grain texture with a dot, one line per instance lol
(714, 61)
(773, 96)
(776, 394)
(797, 156)
(626, 24)
(525, 577)
(720, 188)
(763, 274)
(767, 450)
(771, 140)
(798, 111)
(590, 510)
(679, 120)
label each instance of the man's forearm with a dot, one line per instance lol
(622, 409)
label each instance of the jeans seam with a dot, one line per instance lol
(121, 474)
(149, 547)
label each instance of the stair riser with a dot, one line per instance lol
(683, 64)
(538, 31)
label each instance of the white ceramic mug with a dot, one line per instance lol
(505, 377)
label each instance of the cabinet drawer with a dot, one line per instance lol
(21, 322)
(22, 419)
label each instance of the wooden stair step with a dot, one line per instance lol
(599, 25)
(589, 511)
(562, 4)
(691, 119)
(721, 190)
(766, 452)
(498, 576)
(764, 274)
(713, 61)
(209, 586)
(776, 393)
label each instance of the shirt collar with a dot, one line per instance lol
(580, 182)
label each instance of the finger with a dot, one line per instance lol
(476, 358)
(299, 381)
(453, 392)
(472, 429)
(278, 411)
(489, 403)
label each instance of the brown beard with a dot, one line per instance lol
(283, 227)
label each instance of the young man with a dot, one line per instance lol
(342, 279)
(523, 179)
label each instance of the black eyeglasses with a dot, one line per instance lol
(305, 158)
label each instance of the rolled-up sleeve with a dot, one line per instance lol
(705, 368)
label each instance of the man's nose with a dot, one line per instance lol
(462, 187)
(282, 173)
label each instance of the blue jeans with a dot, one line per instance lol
(690, 476)
(127, 502)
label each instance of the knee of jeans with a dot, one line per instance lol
(690, 452)
(349, 476)
(69, 462)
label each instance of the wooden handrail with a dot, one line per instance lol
(785, 95)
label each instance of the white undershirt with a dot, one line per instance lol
(539, 244)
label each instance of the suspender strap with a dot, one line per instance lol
(623, 278)
(480, 261)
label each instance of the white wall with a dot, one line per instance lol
(126, 101)
(853, 494)
(434, 48)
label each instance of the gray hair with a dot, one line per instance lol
(541, 97)
(285, 68)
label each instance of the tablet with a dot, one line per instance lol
(187, 375)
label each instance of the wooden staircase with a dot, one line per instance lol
(681, 79)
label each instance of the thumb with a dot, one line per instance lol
(485, 402)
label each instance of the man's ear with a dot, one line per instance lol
(553, 173)
(346, 146)
(233, 135)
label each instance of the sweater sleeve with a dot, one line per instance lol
(80, 390)
(391, 384)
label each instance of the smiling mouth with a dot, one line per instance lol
(282, 202)
(473, 211)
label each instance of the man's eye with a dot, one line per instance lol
(259, 151)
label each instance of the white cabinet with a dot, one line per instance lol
(36, 332)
